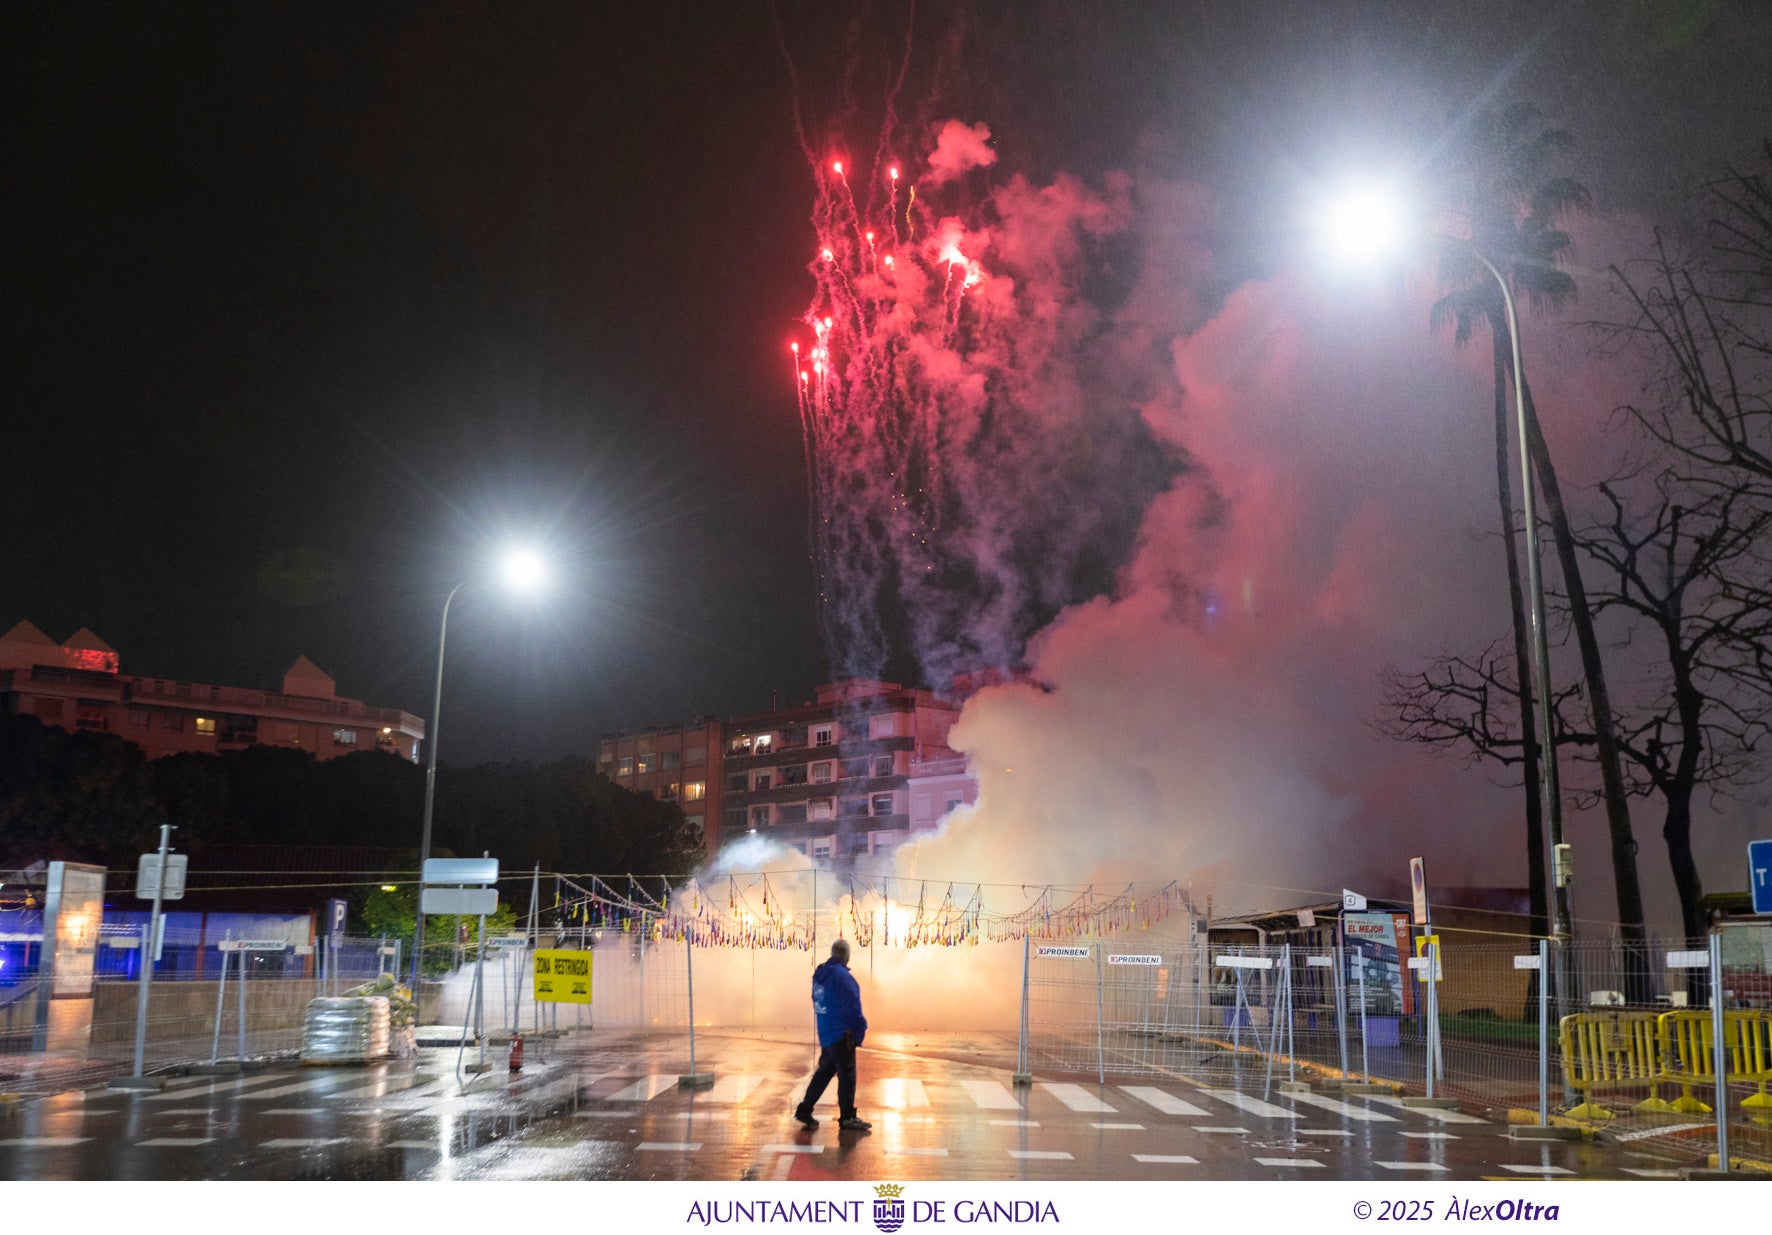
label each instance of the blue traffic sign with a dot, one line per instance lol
(1759, 874)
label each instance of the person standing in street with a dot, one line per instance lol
(836, 999)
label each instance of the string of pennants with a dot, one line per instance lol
(750, 912)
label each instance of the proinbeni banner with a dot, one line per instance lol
(1133, 958)
(1051, 949)
(562, 977)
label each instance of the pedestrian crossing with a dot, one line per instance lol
(1144, 1126)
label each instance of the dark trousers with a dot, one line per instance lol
(838, 1060)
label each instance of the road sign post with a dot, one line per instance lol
(162, 877)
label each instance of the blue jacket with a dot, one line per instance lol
(837, 1000)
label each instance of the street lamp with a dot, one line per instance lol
(520, 570)
(1368, 223)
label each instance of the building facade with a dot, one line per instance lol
(856, 771)
(76, 685)
(680, 763)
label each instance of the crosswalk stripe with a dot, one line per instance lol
(792, 1149)
(386, 1085)
(916, 1152)
(45, 1142)
(733, 1088)
(1290, 1162)
(1254, 1106)
(680, 1147)
(643, 1090)
(1042, 1155)
(303, 1142)
(307, 1083)
(1118, 1127)
(899, 1093)
(1412, 1166)
(1078, 1098)
(1167, 1103)
(1171, 1159)
(990, 1096)
(1015, 1123)
(1643, 1172)
(170, 1142)
(1537, 1170)
(1214, 1129)
(214, 1087)
(1365, 1114)
(1432, 1136)
(1432, 1112)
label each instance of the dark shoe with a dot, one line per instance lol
(853, 1123)
(805, 1117)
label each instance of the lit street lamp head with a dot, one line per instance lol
(1364, 224)
(523, 570)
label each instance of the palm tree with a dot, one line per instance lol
(1513, 212)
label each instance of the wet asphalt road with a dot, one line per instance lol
(607, 1106)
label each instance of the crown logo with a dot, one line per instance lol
(890, 1191)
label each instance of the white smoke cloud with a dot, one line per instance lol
(959, 148)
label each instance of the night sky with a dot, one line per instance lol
(308, 306)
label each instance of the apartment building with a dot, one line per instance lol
(855, 771)
(76, 685)
(679, 763)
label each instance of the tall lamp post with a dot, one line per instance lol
(1366, 225)
(521, 570)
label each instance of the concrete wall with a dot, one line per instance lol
(187, 1009)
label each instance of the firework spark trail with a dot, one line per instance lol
(959, 445)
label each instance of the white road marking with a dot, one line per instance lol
(1043, 1155)
(1119, 1127)
(1174, 1159)
(1538, 1170)
(303, 1142)
(386, 1086)
(1242, 1131)
(1665, 1130)
(428, 1146)
(1290, 1162)
(1343, 1108)
(1432, 1112)
(1432, 1136)
(1167, 1103)
(1254, 1106)
(901, 1092)
(171, 1141)
(643, 1090)
(213, 1088)
(301, 1086)
(45, 1142)
(1015, 1123)
(730, 1089)
(296, 1110)
(1323, 1132)
(1412, 1166)
(188, 1110)
(1643, 1172)
(605, 1114)
(910, 1152)
(990, 1096)
(677, 1147)
(1078, 1098)
(792, 1149)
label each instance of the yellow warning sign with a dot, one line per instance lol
(562, 977)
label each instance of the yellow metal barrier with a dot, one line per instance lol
(1612, 1050)
(1689, 1056)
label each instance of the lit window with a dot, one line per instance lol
(644, 763)
(206, 724)
(764, 742)
(344, 737)
(741, 743)
(626, 766)
(821, 846)
(695, 791)
(668, 793)
(824, 735)
(667, 761)
(821, 773)
(89, 716)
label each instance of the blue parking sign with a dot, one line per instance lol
(1759, 874)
